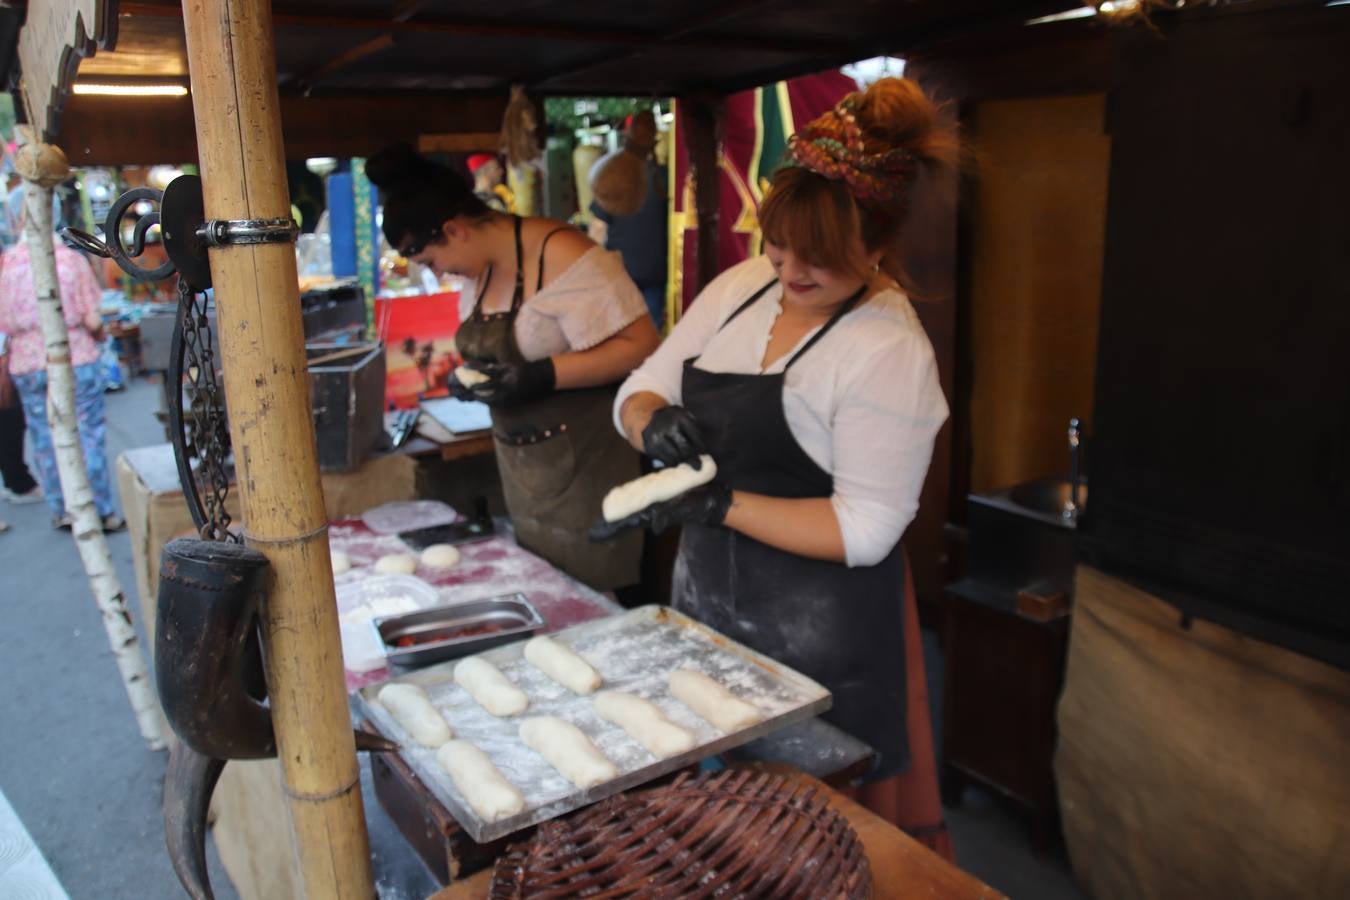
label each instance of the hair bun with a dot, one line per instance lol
(896, 113)
(397, 163)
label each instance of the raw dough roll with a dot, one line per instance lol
(568, 750)
(341, 562)
(493, 690)
(561, 663)
(409, 706)
(469, 377)
(712, 701)
(481, 782)
(440, 556)
(396, 564)
(665, 484)
(645, 723)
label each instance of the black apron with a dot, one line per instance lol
(842, 626)
(558, 456)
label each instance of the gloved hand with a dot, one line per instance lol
(705, 505)
(672, 436)
(511, 383)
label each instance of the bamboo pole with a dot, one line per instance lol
(42, 166)
(232, 65)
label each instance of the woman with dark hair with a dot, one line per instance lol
(807, 376)
(554, 323)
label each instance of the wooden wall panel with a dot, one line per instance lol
(1037, 228)
(102, 131)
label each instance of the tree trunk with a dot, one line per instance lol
(88, 526)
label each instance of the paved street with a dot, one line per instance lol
(72, 762)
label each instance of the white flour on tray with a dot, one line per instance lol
(636, 657)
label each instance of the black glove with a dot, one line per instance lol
(511, 383)
(706, 505)
(672, 436)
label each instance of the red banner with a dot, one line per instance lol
(758, 123)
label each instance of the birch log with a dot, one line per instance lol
(88, 526)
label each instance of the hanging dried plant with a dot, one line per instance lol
(520, 129)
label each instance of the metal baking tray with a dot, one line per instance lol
(510, 616)
(633, 651)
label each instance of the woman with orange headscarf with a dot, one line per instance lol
(807, 377)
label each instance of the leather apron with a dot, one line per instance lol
(842, 626)
(558, 456)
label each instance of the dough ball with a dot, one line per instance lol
(469, 377)
(341, 562)
(396, 564)
(440, 556)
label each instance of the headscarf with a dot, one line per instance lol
(835, 147)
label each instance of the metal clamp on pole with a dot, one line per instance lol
(226, 232)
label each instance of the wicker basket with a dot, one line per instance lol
(737, 833)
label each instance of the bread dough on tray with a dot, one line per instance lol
(645, 723)
(411, 708)
(568, 750)
(561, 663)
(663, 484)
(341, 562)
(713, 702)
(494, 691)
(480, 781)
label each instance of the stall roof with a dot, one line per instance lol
(591, 47)
(595, 47)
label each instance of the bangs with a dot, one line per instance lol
(816, 219)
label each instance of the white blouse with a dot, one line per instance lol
(590, 301)
(864, 403)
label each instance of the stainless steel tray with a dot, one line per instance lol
(633, 651)
(512, 614)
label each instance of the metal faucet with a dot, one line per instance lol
(1070, 510)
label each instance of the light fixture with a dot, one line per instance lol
(130, 90)
(1081, 12)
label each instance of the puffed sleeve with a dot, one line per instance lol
(885, 423)
(592, 301)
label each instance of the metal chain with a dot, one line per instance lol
(207, 431)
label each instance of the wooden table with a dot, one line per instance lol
(902, 868)
(156, 512)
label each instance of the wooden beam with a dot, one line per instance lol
(469, 142)
(706, 116)
(108, 131)
(377, 44)
(636, 39)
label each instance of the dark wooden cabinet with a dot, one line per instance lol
(1004, 671)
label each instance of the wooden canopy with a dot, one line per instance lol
(354, 74)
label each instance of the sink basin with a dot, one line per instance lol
(1047, 496)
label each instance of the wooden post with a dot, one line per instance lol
(706, 118)
(42, 166)
(232, 64)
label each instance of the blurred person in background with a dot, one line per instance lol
(80, 299)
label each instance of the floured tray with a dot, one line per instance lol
(634, 651)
